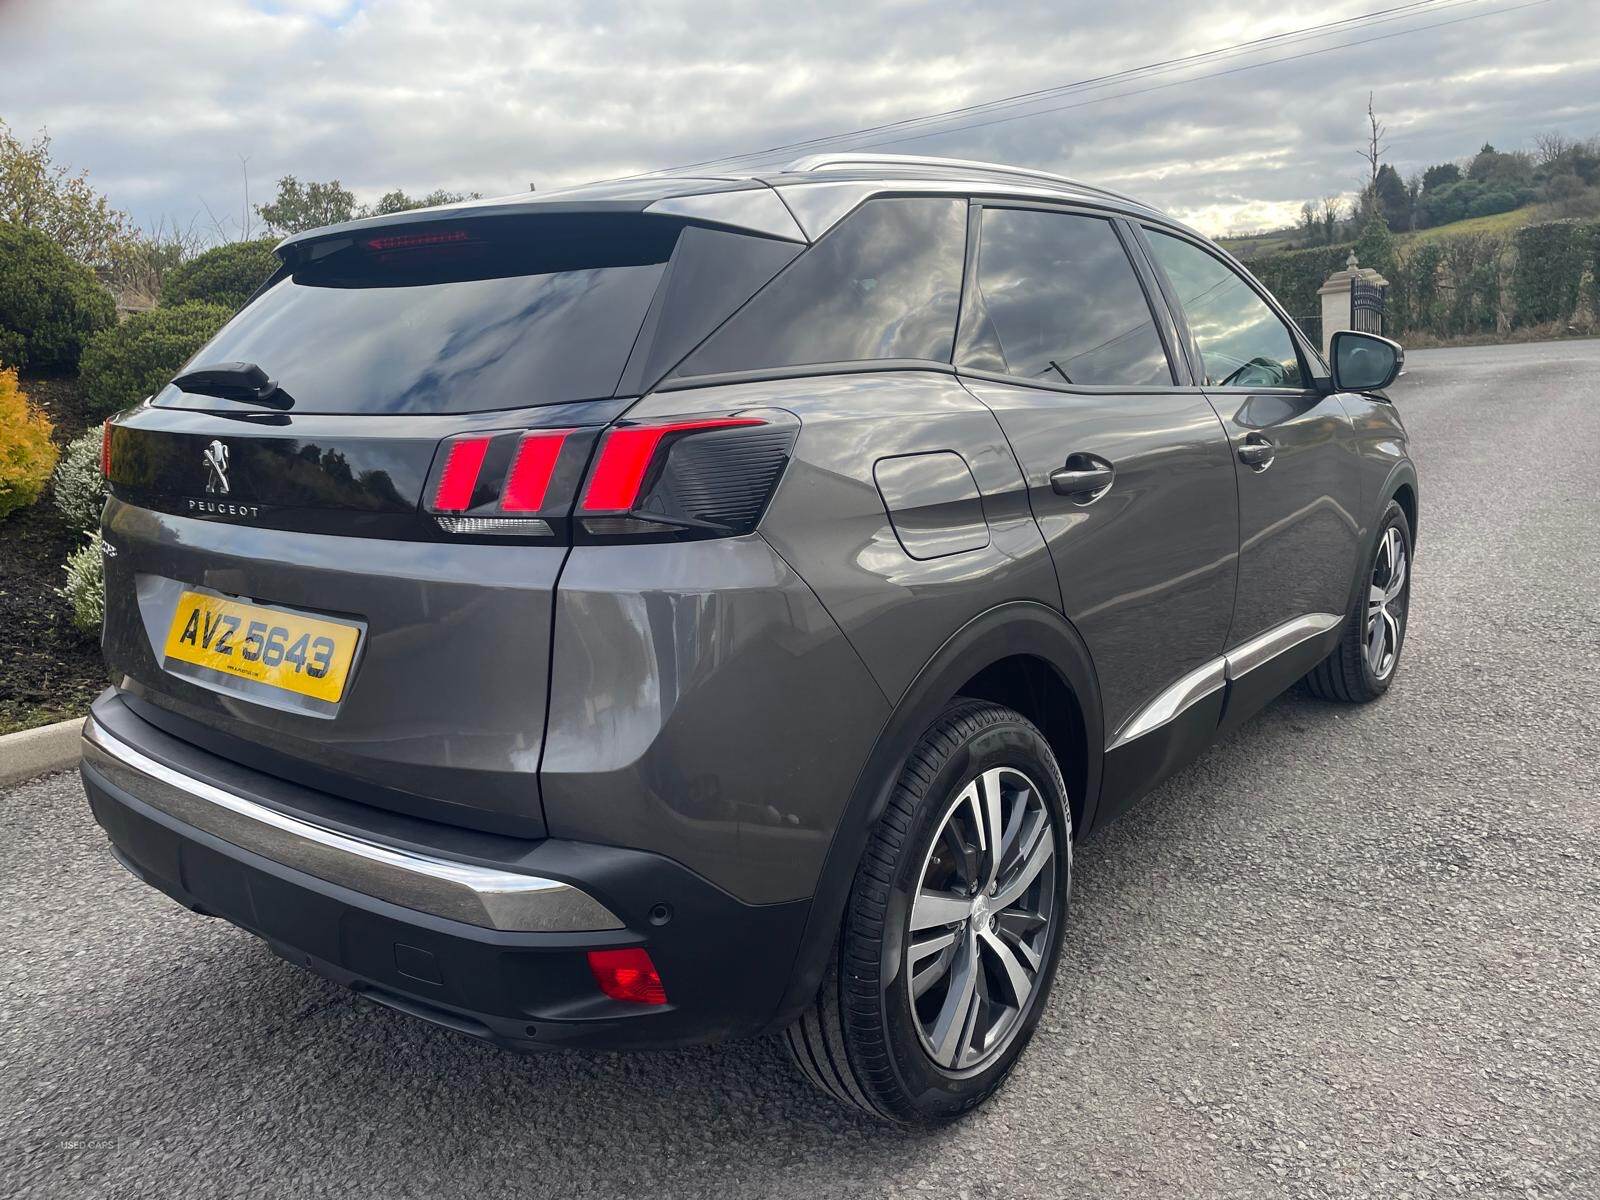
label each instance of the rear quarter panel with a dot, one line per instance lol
(829, 521)
(716, 701)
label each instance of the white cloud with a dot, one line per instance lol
(161, 99)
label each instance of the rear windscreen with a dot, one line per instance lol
(448, 319)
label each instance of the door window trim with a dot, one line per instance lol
(1156, 302)
(1142, 228)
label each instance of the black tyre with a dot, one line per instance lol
(948, 947)
(1364, 664)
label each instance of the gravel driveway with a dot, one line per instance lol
(1353, 952)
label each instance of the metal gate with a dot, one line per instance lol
(1367, 301)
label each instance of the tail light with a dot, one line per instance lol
(105, 449)
(628, 974)
(680, 478)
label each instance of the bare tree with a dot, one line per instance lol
(1331, 215)
(1552, 147)
(1372, 154)
(1413, 195)
(244, 209)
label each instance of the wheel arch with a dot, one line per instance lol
(1402, 488)
(1020, 652)
(1404, 493)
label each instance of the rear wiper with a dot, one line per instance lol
(240, 381)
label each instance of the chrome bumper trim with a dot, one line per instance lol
(484, 896)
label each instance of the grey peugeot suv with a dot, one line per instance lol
(688, 608)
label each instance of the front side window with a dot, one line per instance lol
(884, 284)
(1058, 300)
(1242, 342)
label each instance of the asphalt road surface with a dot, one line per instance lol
(1353, 952)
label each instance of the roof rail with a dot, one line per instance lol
(847, 162)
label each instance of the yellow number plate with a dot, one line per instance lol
(286, 650)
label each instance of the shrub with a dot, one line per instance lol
(226, 275)
(43, 194)
(77, 487)
(85, 589)
(141, 263)
(1549, 271)
(1497, 200)
(26, 452)
(12, 347)
(49, 305)
(139, 357)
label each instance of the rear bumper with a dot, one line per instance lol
(491, 943)
(479, 895)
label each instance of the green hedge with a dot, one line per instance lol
(1549, 271)
(1461, 284)
(1294, 276)
(1422, 269)
(1474, 273)
(226, 275)
(49, 305)
(139, 357)
(1594, 267)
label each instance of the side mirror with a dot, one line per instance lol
(1365, 362)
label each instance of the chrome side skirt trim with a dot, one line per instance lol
(1193, 687)
(1265, 647)
(484, 896)
(1203, 680)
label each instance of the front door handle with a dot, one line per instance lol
(1084, 479)
(1256, 452)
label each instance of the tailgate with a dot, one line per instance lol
(435, 663)
(363, 486)
(442, 714)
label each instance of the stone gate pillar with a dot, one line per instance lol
(1335, 297)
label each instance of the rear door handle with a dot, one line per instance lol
(1084, 479)
(1256, 452)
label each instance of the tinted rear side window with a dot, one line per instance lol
(1063, 304)
(884, 284)
(483, 315)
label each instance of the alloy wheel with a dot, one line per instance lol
(1386, 603)
(981, 922)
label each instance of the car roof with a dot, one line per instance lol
(798, 202)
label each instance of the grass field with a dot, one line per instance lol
(1254, 245)
(1498, 223)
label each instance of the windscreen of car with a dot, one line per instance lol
(484, 314)
(884, 284)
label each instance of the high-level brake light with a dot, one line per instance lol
(413, 241)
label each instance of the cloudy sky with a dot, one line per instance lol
(160, 99)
